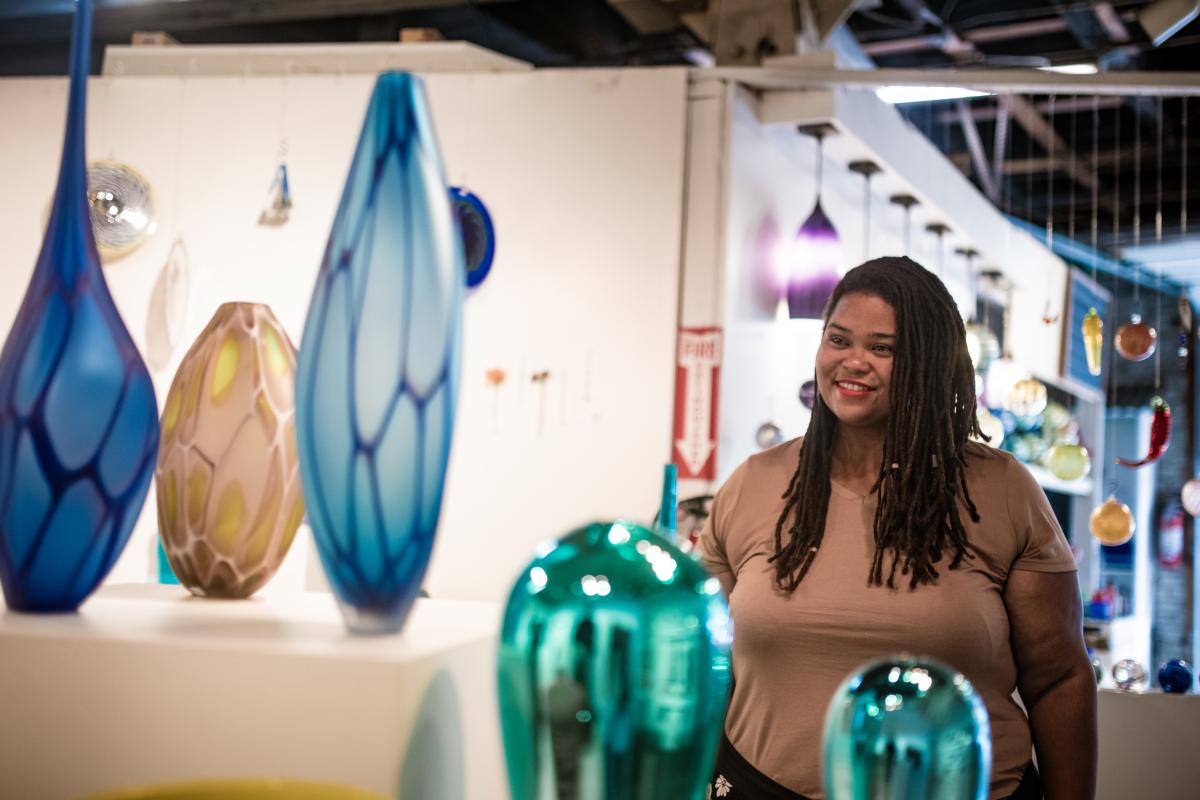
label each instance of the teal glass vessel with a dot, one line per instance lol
(613, 669)
(378, 368)
(907, 728)
(78, 416)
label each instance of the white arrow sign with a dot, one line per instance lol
(699, 356)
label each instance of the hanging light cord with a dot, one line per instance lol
(1137, 209)
(1050, 185)
(1158, 150)
(1071, 172)
(1095, 184)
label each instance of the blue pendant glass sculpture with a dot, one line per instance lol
(377, 376)
(1175, 676)
(613, 669)
(907, 728)
(78, 416)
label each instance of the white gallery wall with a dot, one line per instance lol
(582, 172)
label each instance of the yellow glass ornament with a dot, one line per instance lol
(1027, 397)
(991, 426)
(1068, 462)
(1112, 522)
(1093, 339)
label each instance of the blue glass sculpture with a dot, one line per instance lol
(1175, 676)
(377, 377)
(907, 728)
(78, 417)
(613, 669)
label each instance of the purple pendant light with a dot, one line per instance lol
(816, 251)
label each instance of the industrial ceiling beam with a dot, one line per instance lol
(1043, 132)
(975, 147)
(1062, 105)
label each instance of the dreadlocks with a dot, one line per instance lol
(923, 469)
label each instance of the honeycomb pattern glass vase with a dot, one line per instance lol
(377, 378)
(613, 670)
(78, 416)
(227, 479)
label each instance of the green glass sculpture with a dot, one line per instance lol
(905, 728)
(613, 669)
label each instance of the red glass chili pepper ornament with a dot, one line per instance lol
(1160, 434)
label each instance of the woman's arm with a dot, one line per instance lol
(1055, 679)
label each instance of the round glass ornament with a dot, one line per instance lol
(991, 426)
(1135, 340)
(1175, 676)
(905, 728)
(1129, 675)
(1191, 497)
(1068, 462)
(1112, 523)
(1027, 397)
(613, 669)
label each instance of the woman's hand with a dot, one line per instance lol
(1055, 679)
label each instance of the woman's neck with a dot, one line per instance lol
(857, 453)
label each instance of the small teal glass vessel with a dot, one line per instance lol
(907, 728)
(78, 416)
(1176, 676)
(613, 669)
(378, 368)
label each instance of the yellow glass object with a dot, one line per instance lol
(1027, 397)
(1093, 339)
(1112, 523)
(229, 484)
(1068, 462)
(249, 789)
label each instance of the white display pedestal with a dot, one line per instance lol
(147, 684)
(1148, 746)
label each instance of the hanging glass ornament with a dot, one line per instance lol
(1135, 340)
(808, 394)
(1191, 497)
(982, 346)
(1068, 462)
(1160, 434)
(121, 205)
(1175, 676)
(1129, 675)
(1027, 398)
(907, 728)
(816, 252)
(1093, 339)
(768, 435)
(278, 206)
(1112, 523)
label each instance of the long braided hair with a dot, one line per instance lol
(923, 471)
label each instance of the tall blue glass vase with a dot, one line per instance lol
(377, 376)
(78, 417)
(613, 670)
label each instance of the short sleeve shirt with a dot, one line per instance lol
(790, 652)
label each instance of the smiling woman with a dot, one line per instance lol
(884, 530)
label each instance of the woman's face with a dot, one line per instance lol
(854, 361)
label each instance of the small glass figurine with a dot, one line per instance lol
(1175, 676)
(1093, 339)
(1129, 675)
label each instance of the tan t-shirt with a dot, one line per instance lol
(790, 653)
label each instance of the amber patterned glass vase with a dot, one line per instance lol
(227, 479)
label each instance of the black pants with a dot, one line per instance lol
(735, 779)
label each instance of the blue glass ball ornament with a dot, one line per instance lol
(1175, 676)
(1008, 418)
(613, 669)
(477, 231)
(907, 728)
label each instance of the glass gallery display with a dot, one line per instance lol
(78, 415)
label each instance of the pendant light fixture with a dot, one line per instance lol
(906, 202)
(816, 250)
(867, 169)
(1092, 327)
(1135, 340)
(939, 229)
